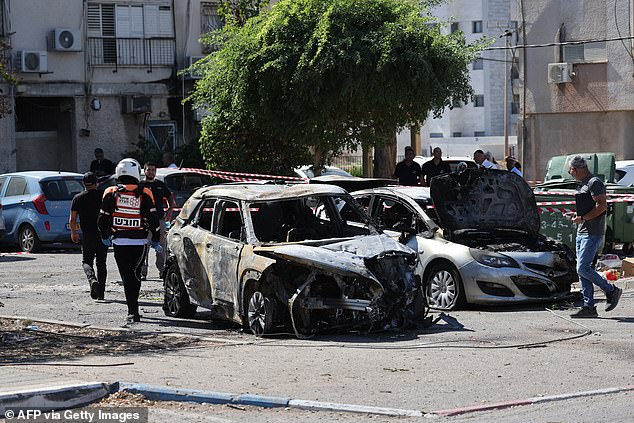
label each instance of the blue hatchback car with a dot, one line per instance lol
(36, 206)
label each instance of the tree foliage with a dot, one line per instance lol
(326, 75)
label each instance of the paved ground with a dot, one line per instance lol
(485, 355)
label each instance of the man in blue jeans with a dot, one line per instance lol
(590, 218)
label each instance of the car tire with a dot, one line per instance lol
(444, 288)
(260, 311)
(28, 239)
(175, 298)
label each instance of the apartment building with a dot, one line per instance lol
(96, 73)
(482, 118)
(577, 95)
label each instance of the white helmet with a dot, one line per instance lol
(128, 167)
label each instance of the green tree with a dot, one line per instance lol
(310, 78)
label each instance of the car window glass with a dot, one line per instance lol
(61, 189)
(187, 181)
(619, 174)
(205, 214)
(17, 186)
(229, 220)
(3, 179)
(390, 213)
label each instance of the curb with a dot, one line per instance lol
(161, 393)
(53, 397)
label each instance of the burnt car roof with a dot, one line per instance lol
(254, 192)
(485, 199)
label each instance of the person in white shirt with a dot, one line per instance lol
(512, 165)
(481, 160)
(168, 160)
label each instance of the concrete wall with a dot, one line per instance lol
(7, 138)
(595, 111)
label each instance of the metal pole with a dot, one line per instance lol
(506, 98)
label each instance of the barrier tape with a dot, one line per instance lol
(572, 194)
(244, 177)
(554, 210)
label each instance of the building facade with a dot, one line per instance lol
(94, 73)
(577, 95)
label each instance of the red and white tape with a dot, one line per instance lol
(573, 193)
(553, 210)
(244, 177)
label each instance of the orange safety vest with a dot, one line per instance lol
(126, 216)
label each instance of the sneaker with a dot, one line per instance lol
(94, 289)
(585, 312)
(613, 298)
(133, 318)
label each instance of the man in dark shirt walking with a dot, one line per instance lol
(86, 206)
(101, 166)
(590, 216)
(434, 167)
(408, 171)
(162, 196)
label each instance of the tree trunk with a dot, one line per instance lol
(367, 156)
(385, 158)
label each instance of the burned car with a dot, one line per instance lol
(489, 249)
(270, 256)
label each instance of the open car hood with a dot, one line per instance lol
(344, 257)
(485, 200)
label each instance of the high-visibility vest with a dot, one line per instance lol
(126, 217)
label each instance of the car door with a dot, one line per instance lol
(224, 249)
(15, 203)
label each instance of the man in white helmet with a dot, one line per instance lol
(127, 214)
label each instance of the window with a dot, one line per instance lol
(130, 34)
(456, 134)
(586, 53)
(17, 186)
(436, 135)
(478, 100)
(390, 213)
(229, 220)
(3, 179)
(477, 27)
(2, 30)
(210, 21)
(205, 215)
(478, 64)
(61, 189)
(455, 27)
(479, 134)
(515, 105)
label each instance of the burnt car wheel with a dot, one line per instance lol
(260, 314)
(444, 288)
(28, 240)
(175, 298)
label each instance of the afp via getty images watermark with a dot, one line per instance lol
(80, 415)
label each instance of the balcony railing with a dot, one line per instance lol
(147, 52)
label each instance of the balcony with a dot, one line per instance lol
(131, 52)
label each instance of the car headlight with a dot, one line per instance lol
(489, 258)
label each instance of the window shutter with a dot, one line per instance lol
(94, 20)
(151, 20)
(123, 21)
(136, 21)
(595, 52)
(166, 27)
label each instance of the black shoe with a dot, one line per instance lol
(133, 318)
(94, 289)
(613, 298)
(585, 312)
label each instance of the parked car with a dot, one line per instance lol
(308, 172)
(271, 256)
(487, 250)
(3, 229)
(625, 173)
(36, 206)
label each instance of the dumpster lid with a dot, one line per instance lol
(485, 200)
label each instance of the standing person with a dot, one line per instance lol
(162, 195)
(86, 206)
(434, 167)
(408, 171)
(168, 160)
(101, 166)
(481, 160)
(127, 212)
(590, 216)
(512, 165)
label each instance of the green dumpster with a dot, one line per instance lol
(560, 187)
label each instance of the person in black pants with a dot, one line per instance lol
(86, 206)
(127, 213)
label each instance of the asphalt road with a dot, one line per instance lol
(475, 356)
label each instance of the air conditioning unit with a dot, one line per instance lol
(559, 73)
(62, 39)
(32, 61)
(136, 104)
(192, 74)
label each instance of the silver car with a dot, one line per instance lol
(489, 250)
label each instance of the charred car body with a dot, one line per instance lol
(268, 256)
(489, 249)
